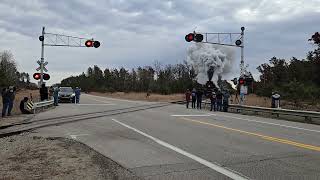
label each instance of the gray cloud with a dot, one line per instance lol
(135, 33)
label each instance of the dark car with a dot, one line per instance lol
(66, 94)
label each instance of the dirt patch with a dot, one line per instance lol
(27, 157)
(143, 96)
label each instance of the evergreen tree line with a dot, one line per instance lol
(294, 79)
(157, 78)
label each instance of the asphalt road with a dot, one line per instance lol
(171, 142)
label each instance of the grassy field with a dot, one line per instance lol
(19, 96)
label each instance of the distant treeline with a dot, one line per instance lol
(297, 80)
(9, 75)
(157, 79)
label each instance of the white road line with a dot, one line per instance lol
(225, 171)
(275, 124)
(191, 115)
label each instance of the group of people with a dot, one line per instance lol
(219, 101)
(8, 95)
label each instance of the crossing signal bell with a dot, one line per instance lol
(91, 43)
(194, 37)
(37, 76)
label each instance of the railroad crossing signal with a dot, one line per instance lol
(91, 43)
(43, 66)
(37, 76)
(194, 37)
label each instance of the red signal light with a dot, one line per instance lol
(189, 37)
(89, 43)
(36, 76)
(241, 81)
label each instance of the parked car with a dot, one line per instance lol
(66, 94)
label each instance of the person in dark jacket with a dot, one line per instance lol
(199, 98)
(43, 92)
(23, 105)
(188, 94)
(219, 101)
(11, 95)
(193, 98)
(213, 99)
(226, 97)
(5, 101)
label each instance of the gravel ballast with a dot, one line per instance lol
(27, 157)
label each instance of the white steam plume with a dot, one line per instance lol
(203, 56)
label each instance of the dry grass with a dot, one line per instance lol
(20, 95)
(142, 96)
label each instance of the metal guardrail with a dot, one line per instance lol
(308, 115)
(42, 104)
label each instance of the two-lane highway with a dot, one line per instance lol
(172, 142)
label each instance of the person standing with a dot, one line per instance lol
(199, 98)
(77, 95)
(43, 92)
(213, 99)
(11, 95)
(56, 96)
(226, 97)
(193, 98)
(188, 94)
(219, 101)
(5, 101)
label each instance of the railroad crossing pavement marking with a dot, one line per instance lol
(223, 170)
(262, 122)
(269, 138)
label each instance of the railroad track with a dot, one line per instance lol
(40, 123)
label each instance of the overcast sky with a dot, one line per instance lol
(137, 32)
